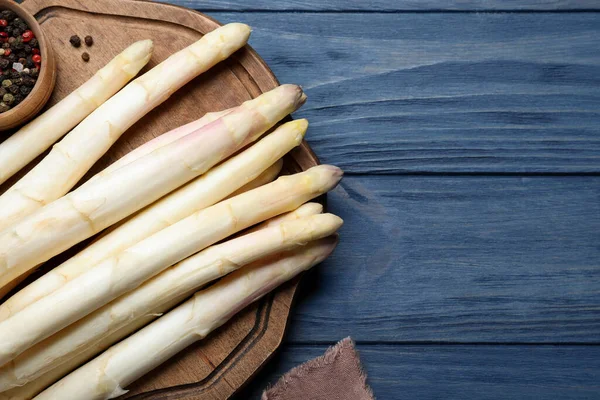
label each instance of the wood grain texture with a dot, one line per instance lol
(463, 372)
(388, 5)
(218, 366)
(458, 259)
(442, 93)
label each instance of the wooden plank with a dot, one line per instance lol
(458, 259)
(387, 5)
(440, 93)
(461, 372)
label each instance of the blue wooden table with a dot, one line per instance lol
(469, 264)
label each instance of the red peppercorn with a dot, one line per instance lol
(27, 36)
(3, 35)
(36, 58)
(35, 51)
(7, 52)
(3, 23)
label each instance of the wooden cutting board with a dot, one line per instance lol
(219, 365)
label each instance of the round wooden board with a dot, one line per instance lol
(219, 365)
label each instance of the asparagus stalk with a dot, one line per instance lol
(75, 154)
(34, 138)
(108, 199)
(202, 192)
(267, 176)
(29, 390)
(161, 293)
(107, 375)
(128, 269)
(305, 210)
(164, 139)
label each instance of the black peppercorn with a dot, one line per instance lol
(89, 40)
(14, 89)
(12, 57)
(24, 90)
(6, 45)
(75, 41)
(8, 15)
(4, 107)
(22, 54)
(27, 49)
(28, 80)
(17, 31)
(29, 63)
(33, 42)
(14, 74)
(18, 81)
(18, 45)
(19, 98)
(4, 63)
(2, 91)
(85, 57)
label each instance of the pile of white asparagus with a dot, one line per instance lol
(173, 214)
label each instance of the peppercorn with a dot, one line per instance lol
(34, 72)
(8, 15)
(34, 43)
(89, 40)
(85, 57)
(4, 107)
(6, 45)
(7, 52)
(75, 41)
(24, 90)
(29, 63)
(17, 32)
(6, 83)
(26, 71)
(12, 57)
(8, 98)
(18, 81)
(37, 58)
(19, 98)
(4, 35)
(27, 49)
(3, 91)
(14, 75)
(18, 44)
(11, 39)
(27, 36)
(4, 63)
(14, 89)
(3, 23)
(28, 80)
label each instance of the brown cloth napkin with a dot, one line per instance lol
(336, 375)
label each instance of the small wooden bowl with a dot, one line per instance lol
(42, 90)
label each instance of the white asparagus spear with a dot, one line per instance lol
(267, 176)
(107, 375)
(164, 139)
(305, 210)
(34, 138)
(161, 293)
(75, 154)
(202, 192)
(108, 199)
(29, 390)
(128, 269)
